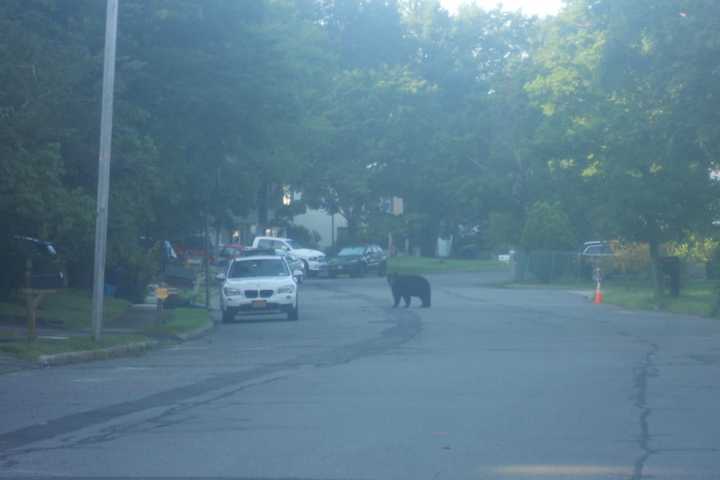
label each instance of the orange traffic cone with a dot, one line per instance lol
(598, 296)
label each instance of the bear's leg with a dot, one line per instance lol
(407, 300)
(426, 298)
(397, 300)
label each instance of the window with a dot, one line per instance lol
(279, 245)
(261, 267)
(351, 251)
(598, 250)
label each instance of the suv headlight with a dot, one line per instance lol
(230, 292)
(286, 289)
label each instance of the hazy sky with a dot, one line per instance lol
(529, 7)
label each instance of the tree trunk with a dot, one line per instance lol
(656, 269)
(262, 209)
(716, 306)
(429, 239)
(352, 227)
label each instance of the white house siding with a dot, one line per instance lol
(321, 222)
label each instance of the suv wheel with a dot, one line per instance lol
(294, 314)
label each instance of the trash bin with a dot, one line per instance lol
(670, 267)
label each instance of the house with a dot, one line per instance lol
(327, 225)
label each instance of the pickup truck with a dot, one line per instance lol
(313, 260)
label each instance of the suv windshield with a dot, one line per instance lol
(261, 267)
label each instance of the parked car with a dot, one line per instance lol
(597, 254)
(191, 249)
(313, 260)
(261, 284)
(227, 252)
(47, 271)
(358, 260)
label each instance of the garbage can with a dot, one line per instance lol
(670, 267)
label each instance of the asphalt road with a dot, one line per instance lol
(488, 383)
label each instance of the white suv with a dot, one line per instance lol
(314, 260)
(258, 285)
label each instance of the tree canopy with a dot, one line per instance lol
(602, 117)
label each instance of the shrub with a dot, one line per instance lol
(303, 235)
(632, 258)
(713, 265)
(547, 228)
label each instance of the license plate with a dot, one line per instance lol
(259, 304)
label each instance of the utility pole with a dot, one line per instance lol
(206, 259)
(106, 120)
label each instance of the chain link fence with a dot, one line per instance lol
(546, 266)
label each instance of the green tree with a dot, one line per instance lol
(614, 90)
(547, 228)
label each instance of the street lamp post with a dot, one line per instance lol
(106, 120)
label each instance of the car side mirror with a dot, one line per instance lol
(297, 273)
(220, 277)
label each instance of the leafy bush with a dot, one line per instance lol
(632, 258)
(713, 265)
(695, 249)
(503, 230)
(132, 270)
(547, 228)
(303, 235)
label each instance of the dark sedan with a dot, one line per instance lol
(358, 260)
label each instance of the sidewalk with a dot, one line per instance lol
(137, 330)
(131, 331)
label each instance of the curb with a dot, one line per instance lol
(197, 333)
(90, 355)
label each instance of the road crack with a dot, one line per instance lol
(643, 373)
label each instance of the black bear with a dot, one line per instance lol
(407, 286)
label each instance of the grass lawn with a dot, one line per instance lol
(696, 298)
(11, 310)
(198, 298)
(559, 285)
(437, 265)
(27, 350)
(69, 308)
(181, 320)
